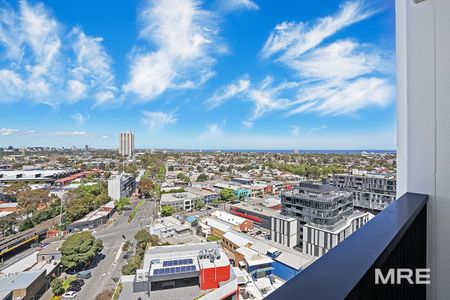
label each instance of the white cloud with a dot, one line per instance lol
(157, 120)
(72, 133)
(213, 130)
(8, 131)
(92, 67)
(185, 37)
(298, 131)
(233, 5)
(229, 91)
(44, 64)
(79, 118)
(294, 39)
(339, 77)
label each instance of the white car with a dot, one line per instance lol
(69, 295)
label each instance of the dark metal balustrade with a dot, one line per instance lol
(395, 238)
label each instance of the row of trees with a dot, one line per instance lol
(142, 238)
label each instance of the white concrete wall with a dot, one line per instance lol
(423, 84)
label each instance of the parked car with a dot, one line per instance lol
(84, 274)
(74, 288)
(79, 282)
(69, 295)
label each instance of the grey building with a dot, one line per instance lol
(121, 185)
(370, 190)
(320, 204)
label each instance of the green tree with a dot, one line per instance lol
(122, 203)
(30, 201)
(227, 195)
(146, 186)
(79, 250)
(215, 202)
(199, 204)
(202, 177)
(142, 237)
(57, 286)
(166, 210)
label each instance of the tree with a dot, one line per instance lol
(32, 200)
(79, 250)
(199, 204)
(15, 188)
(202, 177)
(142, 237)
(166, 210)
(227, 195)
(146, 186)
(122, 203)
(215, 202)
(57, 286)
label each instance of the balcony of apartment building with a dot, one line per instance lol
(412, 234)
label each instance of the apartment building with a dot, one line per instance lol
(120, 185)
(370, 190)
(126, 144)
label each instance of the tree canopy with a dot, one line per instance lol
(146, 186)
(79, 250)
(227, 194)
(166, 210)
(202, 177)
(122, 203)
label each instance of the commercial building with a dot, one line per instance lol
(169, 227)
(120, 185)
(126, 144)
(207, 195)
(214, 227)
(203, 266)
(370, 190)
(237, 223)
(94, 218)
(240, 192)
(24, 285)
(259, 214)
(180, 201)
(232, 241)
(34, 176)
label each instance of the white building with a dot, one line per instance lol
(317, 240)
(180, 201)
(283, 230)
(126, 144)
(169, 227)
(120, 186)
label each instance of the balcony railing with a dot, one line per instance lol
(395, 238)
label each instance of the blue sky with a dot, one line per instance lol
(228, 74)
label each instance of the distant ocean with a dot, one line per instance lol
(285, 151)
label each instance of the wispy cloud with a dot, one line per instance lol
(157, 120)
(229, 91)
(8, 131)
(213, 130)
(341, 77)
(236, 5)
(34, 132)
(338, 77)
(79, 118)
(298, 131)
(44, 64)
(185, 36)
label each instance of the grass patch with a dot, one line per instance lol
(67, 281)
(135, 210)
(213, 238)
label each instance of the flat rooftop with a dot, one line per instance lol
(176, 197)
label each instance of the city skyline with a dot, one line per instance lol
(202, 75)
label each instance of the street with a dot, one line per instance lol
(107, 268)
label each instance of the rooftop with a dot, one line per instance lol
(20, 280)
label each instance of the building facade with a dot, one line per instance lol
(284, 230)
(120, 186)
(180, 201)
(126, 144)
(370, 191)
(321, 204)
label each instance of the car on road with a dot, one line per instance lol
(69, 295)
(74, 288)
(84, 274)
(79, 282)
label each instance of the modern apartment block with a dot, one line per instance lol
(120, 186)
(370, 191)
(126, 144)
